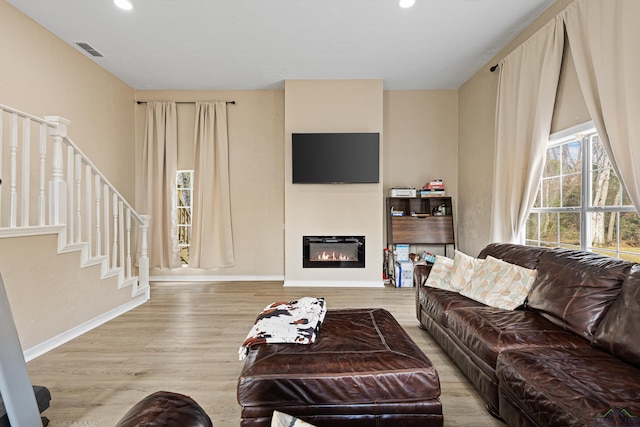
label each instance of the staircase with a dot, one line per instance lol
(48, 186)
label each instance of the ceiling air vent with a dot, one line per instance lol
(90, 50)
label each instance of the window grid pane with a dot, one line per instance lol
(551, 192)
(572, 190)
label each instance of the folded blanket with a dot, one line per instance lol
(295, 322)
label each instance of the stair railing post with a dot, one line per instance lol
(143, 261)
(57, 186)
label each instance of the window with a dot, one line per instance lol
(184, 190)
(580, 202)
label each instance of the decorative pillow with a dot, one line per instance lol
(440, 274)
(464, 266)
(500, 284)
(280, 419)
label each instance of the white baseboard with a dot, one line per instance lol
(85, 327)
(188, 278)
(335, 283)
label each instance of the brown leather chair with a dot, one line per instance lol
(166, 409)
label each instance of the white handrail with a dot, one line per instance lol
(27, 115)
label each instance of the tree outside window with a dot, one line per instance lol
(581, 203)
(184, 191)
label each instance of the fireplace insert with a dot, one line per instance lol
(333, 251)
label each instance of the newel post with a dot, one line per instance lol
(57, 185)
(143, 261)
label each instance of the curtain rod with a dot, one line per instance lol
(492, 69)
(185, 102)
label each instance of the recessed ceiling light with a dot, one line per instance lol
(123, 4)
(406, 3)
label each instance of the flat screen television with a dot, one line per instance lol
(335, 158)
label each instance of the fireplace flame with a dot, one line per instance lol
(332, 256)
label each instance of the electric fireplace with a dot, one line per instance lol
(333, 251)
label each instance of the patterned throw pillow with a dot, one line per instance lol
(440, 274)
(464, 267)
(280, 419)
(500, 284)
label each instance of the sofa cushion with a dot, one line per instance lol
(487, 331)
(500, 284)
(618, 331)
(574, 289)
(438, 302)
(567, 387)
(464, 266)
(524, 256)
(440, 274)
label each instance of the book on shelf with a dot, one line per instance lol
(432, 193)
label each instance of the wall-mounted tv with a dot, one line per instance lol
(335, 158)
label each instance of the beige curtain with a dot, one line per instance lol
(211, 236)
(527, 88)
(605, 43)
(159, 157)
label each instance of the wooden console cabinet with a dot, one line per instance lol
(419, 225)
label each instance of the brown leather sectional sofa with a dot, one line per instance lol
(570, 356)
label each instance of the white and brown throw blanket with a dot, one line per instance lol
(295, 322)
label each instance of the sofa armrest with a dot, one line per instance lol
(420, 274)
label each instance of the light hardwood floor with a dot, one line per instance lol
(186, 339)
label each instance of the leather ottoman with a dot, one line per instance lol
(362, 370)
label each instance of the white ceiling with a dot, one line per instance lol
(257, 44)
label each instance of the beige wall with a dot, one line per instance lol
(43, 75)
(256, 158)
(53, 295)
(421, 142)
(477, 103)
(338, 209)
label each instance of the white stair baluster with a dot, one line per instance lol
(43, 162)
(121, 262)
(87, 208)
(114, 252)
(13, 153)
(98, 216)
(70, 195)
(26, 166)
(78, 198)
(107, 232)
(128, 265)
